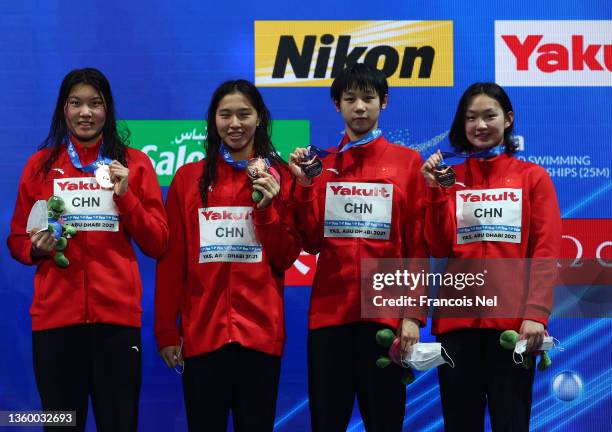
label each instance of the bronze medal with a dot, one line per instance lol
(312, 165)
(445, 176)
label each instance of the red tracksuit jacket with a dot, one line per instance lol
(223, 272)
(540, 231)
(102, 283)
(336, 297)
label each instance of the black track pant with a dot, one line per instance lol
(484, 374)
(342, 365)
(98, 360)
(232, 378)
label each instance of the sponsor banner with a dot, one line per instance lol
(312, 53)
(553, 53)
(587, 238)
(171, 144)
(586, 247)
(585, 269)
(579, 166)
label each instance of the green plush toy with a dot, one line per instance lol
(387, 339)
(508, 340)
(55, 209)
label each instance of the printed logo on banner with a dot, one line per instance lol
(553, 53)
(312, 53)
(171, 144)
(580, 165)
(576, 166)
(587, 239)
(586, 263)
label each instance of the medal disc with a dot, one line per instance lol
(445, 176)
(103, 177)
(254, 167)
(312, 165)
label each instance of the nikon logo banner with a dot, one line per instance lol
(171, 144)
(312, 53)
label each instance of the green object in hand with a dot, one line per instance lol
(508, 340)
(257, 196)
(55, 209)
(387, 339)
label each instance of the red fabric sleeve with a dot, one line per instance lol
(439, 222)
(414, 239)
(142, 211)
(275, 227)
(171, 272)
(544, 247)
(308, 215)
(413, 232)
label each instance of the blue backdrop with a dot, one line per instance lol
(164, 59)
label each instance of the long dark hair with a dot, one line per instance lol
(114, 141)
(262, 144)
(457, 136)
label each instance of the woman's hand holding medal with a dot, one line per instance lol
(429, 168)
(436, 173)
(119, 177)
(113, 176)
(267, 185)
(296, 161)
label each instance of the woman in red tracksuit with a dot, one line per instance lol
(86, 317)
(456, 226)
(223, 273)
(365, 171)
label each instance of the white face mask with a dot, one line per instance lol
(424, 356)
(547, 344)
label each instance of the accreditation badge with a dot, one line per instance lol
(358, 210)
(227, 234)
(88, 206)
(489, 215)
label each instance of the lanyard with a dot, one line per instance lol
(76, 161)
(371, 136)
(238, 165)
(484, 154)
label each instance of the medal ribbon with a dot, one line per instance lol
(76, 161)
(238, 165)
(371, 136)
(484, 154)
